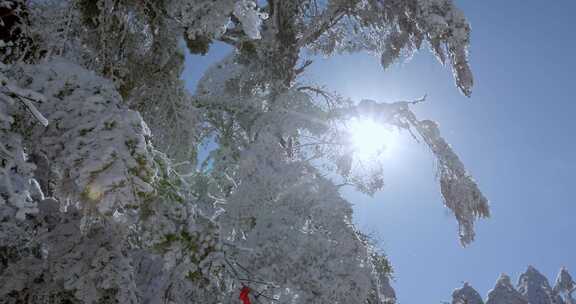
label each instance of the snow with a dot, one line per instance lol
(532, 288)
(93, 115)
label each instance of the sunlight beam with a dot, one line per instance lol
(370, 139)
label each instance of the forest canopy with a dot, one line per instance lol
(103, 198)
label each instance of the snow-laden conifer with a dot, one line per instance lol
(466, 295)
(100, 198)
(565, 286)
(536, 289)
(505, 293)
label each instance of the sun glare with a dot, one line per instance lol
(370, 139)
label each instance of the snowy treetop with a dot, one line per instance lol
(532, 288)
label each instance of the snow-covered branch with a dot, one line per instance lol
(459, 190)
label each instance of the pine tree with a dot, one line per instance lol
(535, 287)
(532, 288)
(565, 286)
(504, 292)
(466, 295)
(100, 198)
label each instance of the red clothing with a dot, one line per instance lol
(244, 295)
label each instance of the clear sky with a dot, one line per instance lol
(516, 136)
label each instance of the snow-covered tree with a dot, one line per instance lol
(536, 288)
(466, 295)
(565, 286)
(118, 200)
(532, 288)
(101, 200)
(505, 293)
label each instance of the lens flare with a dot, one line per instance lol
(370, 139)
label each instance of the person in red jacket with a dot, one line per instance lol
(244, 292)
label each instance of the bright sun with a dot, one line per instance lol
(369, 138)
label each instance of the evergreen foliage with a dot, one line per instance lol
(101, 196)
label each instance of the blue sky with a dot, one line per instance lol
(515, 135)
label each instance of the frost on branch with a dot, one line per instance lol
(99, 148)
